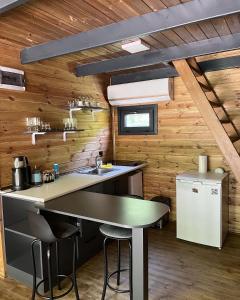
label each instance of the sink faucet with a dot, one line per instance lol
(98, 160)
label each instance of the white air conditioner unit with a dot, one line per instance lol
(141, 92)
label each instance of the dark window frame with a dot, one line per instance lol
(152, 109)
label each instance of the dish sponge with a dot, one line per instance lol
(107, 166)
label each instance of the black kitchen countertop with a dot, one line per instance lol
(114, 210)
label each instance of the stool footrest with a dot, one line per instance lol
(116, 289)
(59, 296)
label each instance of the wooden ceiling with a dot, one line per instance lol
(40, 21)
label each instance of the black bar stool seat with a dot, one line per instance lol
(119, 234)
(63, 230)
(115, 232)
(52, 233)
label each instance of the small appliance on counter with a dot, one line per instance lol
(21, 173)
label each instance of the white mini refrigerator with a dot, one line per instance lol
(202, 208)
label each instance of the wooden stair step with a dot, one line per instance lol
(226, 121)
(195, 67)
(215, 104)
(221, 114)
(196, 72)
(236, 144)
(205, 88)
(234, 139)
(230, 129)
(212, 96)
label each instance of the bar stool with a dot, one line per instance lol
(119, 234)
(51, 235)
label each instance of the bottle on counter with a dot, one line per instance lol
(36, 176)
(56, 170)
(99, 160)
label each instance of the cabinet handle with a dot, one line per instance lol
(194, 190)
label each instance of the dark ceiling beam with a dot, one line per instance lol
(220, 64)
(172, 17)
(205, 66)
(144, 75)
(165, 55)
(6, 5)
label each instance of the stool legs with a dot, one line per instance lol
(106, 274)
(105, 268)
(57, 260)
(49, 263)
(74, 266)
(34, 270)
(130, 269)
(119, 262)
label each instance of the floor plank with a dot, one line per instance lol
(178, 270)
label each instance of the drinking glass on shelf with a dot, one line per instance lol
(80, 103)
(47, 127)
(73, 124)
(71, 103)
(33, 124)
(66, 122)
(42, 126)
(29, 124)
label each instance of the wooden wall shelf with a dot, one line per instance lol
(92, 109)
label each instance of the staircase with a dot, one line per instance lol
(212, 111)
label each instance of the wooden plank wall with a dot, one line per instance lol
(182, 136)
(49, 87)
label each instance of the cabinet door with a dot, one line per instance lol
(199, 213)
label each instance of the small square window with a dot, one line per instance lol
(140, 119)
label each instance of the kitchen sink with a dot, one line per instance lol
(100, 171)
(94, 171)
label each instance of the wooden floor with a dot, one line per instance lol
(178, 270)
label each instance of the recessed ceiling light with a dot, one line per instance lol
(135, 46)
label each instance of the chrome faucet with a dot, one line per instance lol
(98, 160)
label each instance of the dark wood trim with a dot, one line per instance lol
(150, 58)
(179, 15)
(205, 66)
(6, 5)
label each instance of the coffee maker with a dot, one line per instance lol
(21, 173)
